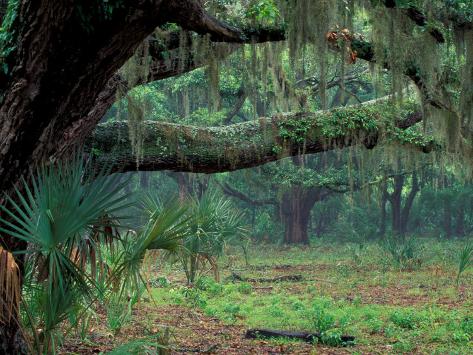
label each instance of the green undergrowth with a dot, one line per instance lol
(347, 289)
(405, 328)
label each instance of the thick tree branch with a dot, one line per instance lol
(161, 68)
(168, 146)
(418, 17)
(239, 102)
(230, 191)
(365, 51)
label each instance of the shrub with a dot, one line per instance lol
(322, 320)
(214, 223)
(405, 319)
(465, 260)
(406, 253)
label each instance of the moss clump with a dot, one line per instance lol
(8, 35)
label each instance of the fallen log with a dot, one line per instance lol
(293, 278)
(305, 336)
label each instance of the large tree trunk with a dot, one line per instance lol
(12, 340)
(460, 220)
(447, 218)
(59, 76)
(296, 205)
(400, 211)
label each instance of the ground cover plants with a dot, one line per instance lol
(387, 308)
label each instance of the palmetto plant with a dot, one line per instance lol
(406, 253)
(166, 227)
(214, 223)
(465, 261)
(66, 216)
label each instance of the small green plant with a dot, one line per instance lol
(118, 315)
(214, 223)
(465, 261)
(406, 253)
(324, 323)
(158, 345)
(405, 319)
(245, 288)
(322, 320)
(467, 326)
(160, 282)
(208, 285)
(403, 346)
(357, 253)
(194, 297)
(332, 337)
(232, 310)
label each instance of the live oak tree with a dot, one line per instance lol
(64, 63)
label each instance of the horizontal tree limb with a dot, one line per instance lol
(230, 191)
(169, 146)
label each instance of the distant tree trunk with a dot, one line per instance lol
(460, 220)
(182, 180)
(296, 205)
(384, 201)
(447, 218)
(406, 210)
(144, 180)
(395, 199)
(400, 212)
(320, 225)
(191, 185)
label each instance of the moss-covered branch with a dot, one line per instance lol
(168, 146)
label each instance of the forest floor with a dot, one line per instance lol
(355, 289)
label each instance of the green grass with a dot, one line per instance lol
(366, 295)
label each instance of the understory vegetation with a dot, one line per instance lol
(387, 309)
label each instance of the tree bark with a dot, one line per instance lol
(460, 220)
(400, 212)
(296, 205)
(384, 201)
(168, 146)
(447, 218)
(406, 209)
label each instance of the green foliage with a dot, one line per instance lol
(265, 12)
(156, 345)
(406, 319)
(214, 223)
(465, 260)
(8, 34)
(410, 135)
(76, 256)
(102, 10)
(322, 320)
(367, 302)
(59, 217)
(462, 8)
(406, 253)
(118, 314)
